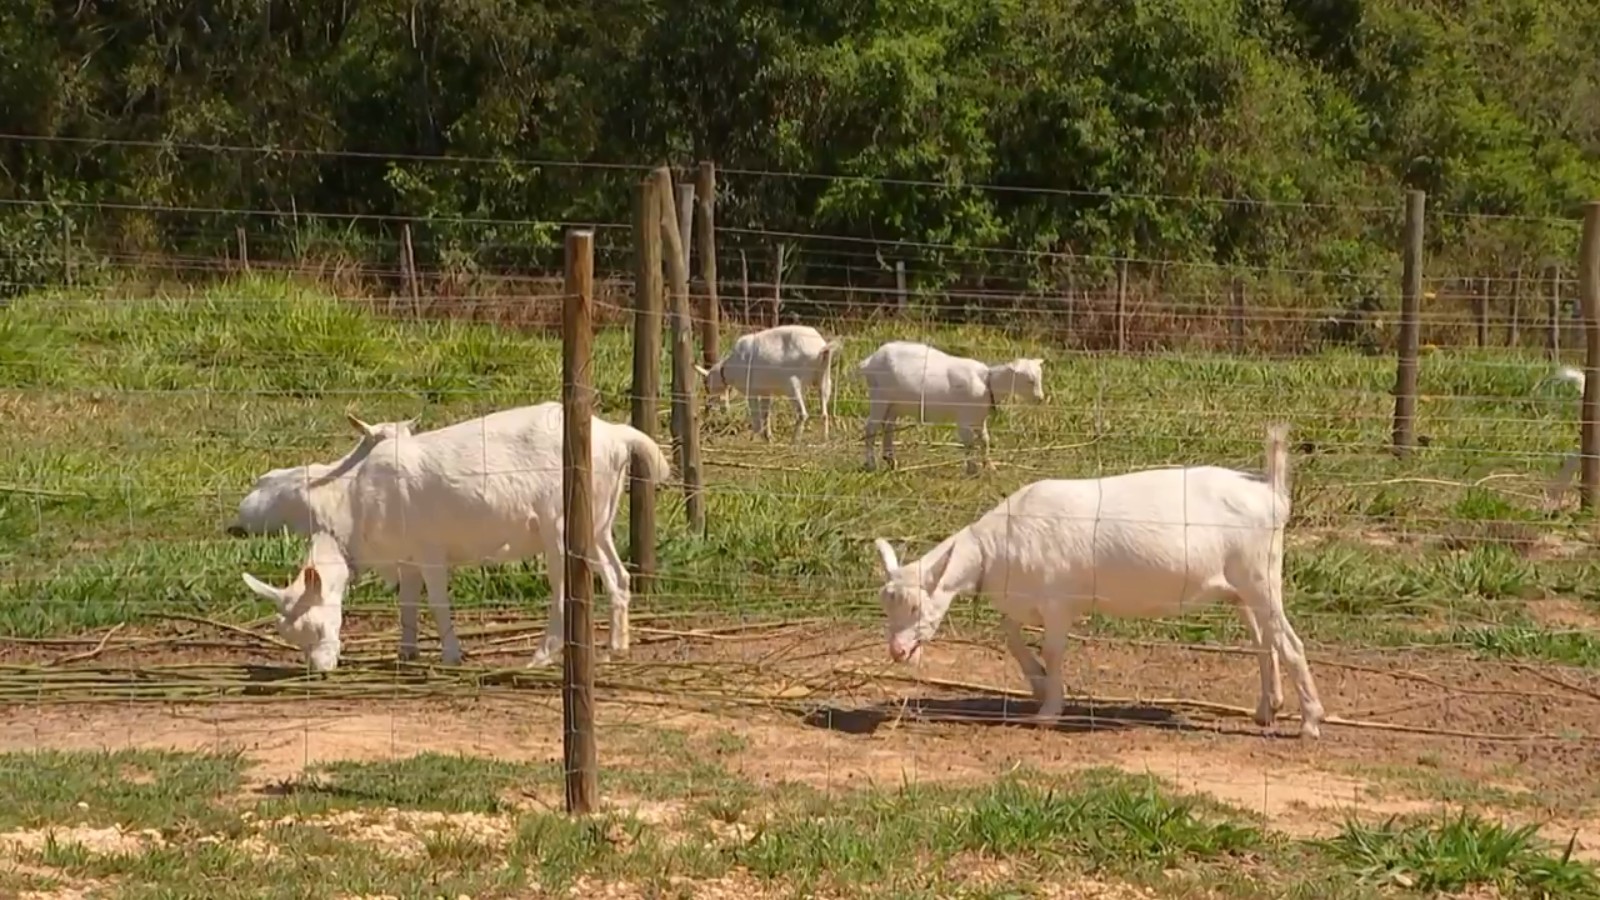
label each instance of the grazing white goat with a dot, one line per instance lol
(905, 377)
(1569, 465)
(483, 490)
(278, 499)
(780, 360)
(1150, 543)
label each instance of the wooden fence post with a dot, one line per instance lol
(577, 484)
(646, 380)
(744, 283)
(66, 250)
(683, 375)
(408, 266)
(1237, 319)
(1553, 285)
(685, 220)
(1405, 387)
(1589, 298)
(1122, 306)
(244, 248)
(705, 189)
(1480, 309)
(901, 300)
(1514, 328)
(777, 283)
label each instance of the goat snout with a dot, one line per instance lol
(908, 652)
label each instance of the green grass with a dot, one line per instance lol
(1006, 838)
(137, 788)
(1460, 852)
(148, 419)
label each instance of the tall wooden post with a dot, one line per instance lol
(1480, 310)
(1514, 328)
(1236, 321)
(66, 250)
(686, 222)
(1405, 388)
(683, 375)
(901, 300)
(705, 189)
(646, 380)
(1122, 307)
(1589, 297)
(577, 484)
(1553, 282)
(244, 248)
(408, 263)
(744, 283)
(777, 284)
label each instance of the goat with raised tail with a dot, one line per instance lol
(907, 378)
(780, 360)
(1151, 543)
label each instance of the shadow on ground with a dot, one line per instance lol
(1076, 718)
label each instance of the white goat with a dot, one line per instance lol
(483, 490)
(278, 499)
(1141, 544)
(1569, 465)
(780, 360)
(905, 377)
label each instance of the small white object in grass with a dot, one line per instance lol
(907, 378)
(1152, 543)
(1560, 484)
(780, 360)
(486, 490)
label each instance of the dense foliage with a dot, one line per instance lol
(1128, 110)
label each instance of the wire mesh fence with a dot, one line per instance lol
(1446, 600)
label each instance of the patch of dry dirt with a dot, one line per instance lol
(860, 727)
(63, 887)
(112, 841)
(402, 832)
(1562, 612)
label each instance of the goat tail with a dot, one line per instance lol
(644, 449)
(1278, 460)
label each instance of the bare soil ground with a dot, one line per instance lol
(1527, 732)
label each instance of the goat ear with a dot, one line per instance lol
(358, 425)
(263, 589)
(411, 422)
(313, 579)
(702, 370)
(887, 557)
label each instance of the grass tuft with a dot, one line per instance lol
(1462, 852)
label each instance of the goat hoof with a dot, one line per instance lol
(408, 654)
(1310, 730)
(541, 660)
